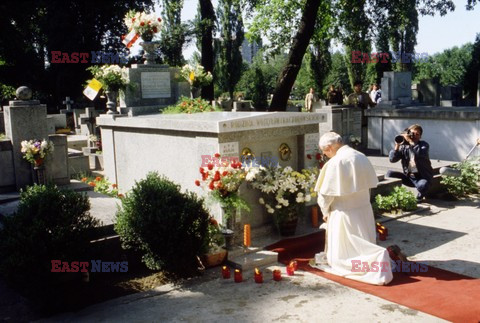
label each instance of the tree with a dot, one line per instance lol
(232, 35)
(338, 75)
(205, 26)
(259, 97)
(173, 32)
(295, 56)
(470, 81)
(30, 30)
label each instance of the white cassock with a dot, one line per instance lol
(343, 188)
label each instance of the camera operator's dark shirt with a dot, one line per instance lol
(422, 159)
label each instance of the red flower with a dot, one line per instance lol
(318, 156)
(213, 222)
(210, 166)
(217, 176)
(217, 155)
(92, 184)
(120, 195)
(225, 173)
(197, 182)
(98, 178)
(211, 185)
(114, 185)
(202, 170)
(159, 19)
(309, 156)
(154, 29)
(204, 176)
(142, 24)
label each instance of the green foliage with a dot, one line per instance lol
(232, 36)
(174, 33)
(7, 92)
(169, 227)
(338, 75)
(187, 105)
(30, 31)
(2, 136)
(259, 91)
(50, 224)
(399, 199)
(450, 66)
(470, 79)
(467, 182)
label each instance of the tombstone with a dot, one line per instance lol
(151, 87)
(416, 95)
(87, 122)
(56, 121)
(68, 112)
(430, 91)
(396, 89)
(2, 122)
(182, 139)
(25, 119)
(242, 106)
(451, 96)
(342, 120)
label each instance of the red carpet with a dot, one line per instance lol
(438, 292)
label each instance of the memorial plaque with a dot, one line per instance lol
(155, 85)
(228, 148)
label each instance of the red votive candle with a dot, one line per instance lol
(258, 276)
(277, 275)
(237, 276)
(382, 236)
(225, 272)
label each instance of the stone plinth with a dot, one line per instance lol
(152, 87)
(173, 145)
(24, 120)
(58, 160)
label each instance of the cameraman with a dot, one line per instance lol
(417, 168)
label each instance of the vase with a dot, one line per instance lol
(286, 221)
(195, 92)
(112, 101)
(39, 177)
(38, 162)
(149, 48)
(228, 231)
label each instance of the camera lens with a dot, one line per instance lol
(399, 139)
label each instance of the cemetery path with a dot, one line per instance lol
(446, 236)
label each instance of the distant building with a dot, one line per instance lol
(249, 50)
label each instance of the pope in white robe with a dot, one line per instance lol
(343, 188)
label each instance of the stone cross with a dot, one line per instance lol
(68, 103)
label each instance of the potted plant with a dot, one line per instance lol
(221, 179)
(113, 79)
(284, 190)
(196, 77)
(213, 252)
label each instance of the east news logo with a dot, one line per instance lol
(98, 266)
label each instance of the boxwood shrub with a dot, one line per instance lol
(166, 225)
(50, 224)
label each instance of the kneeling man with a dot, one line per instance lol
(343, 188)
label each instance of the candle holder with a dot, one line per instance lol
(292, 266)
(277, 275)
(237, 276)
(314, 217)
(246, 236)
(225, 272)
(258, 276)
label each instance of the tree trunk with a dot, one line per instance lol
(295, 57)
(208, 18)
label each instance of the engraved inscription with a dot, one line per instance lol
(155, 85)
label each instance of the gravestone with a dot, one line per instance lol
(25, 119)
(342, 120)
(430, 91)
(242, 106)
(151, 87)
(68, 112)
(396, 89)
(451, 95)
(173, 145)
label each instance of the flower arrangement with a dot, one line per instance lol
(214, 240)
(112, 77)
(355, 141)
(188, 105)
(144, 24)
(102, 185)
(284, 189)
(36, 150)
(222, 179)
(319, 157)
(195, 75)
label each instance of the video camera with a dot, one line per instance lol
(399, 139)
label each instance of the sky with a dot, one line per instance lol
(435, 33)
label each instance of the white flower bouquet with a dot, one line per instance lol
(196, 75)
(112, 77)
(35, 151)
(144, 24)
